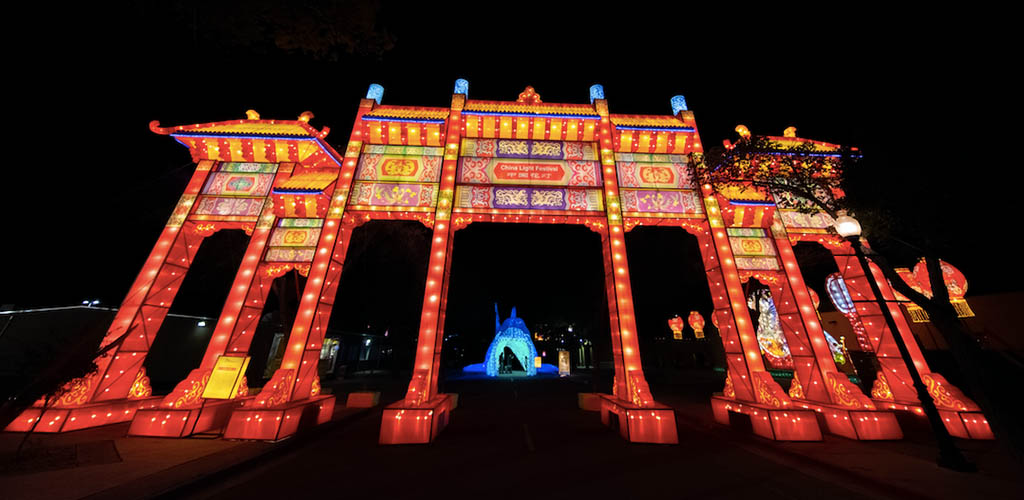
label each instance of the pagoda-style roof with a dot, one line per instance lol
(308, 181)
(247, 127)
(792, 142)
(407, 113)
(787, 143)
(255, 140)
(537, 109)
(654, 122)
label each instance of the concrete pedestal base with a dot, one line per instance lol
(183, 422)
(640, 424)
(81, 417)
(403, 423)
(279, 422)
(789, 424)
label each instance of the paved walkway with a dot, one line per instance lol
(68, 466)
(508, 437)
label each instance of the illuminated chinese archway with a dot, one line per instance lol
(478, 161)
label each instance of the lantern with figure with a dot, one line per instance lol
(697, 323)
(676, 324)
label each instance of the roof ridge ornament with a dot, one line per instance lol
(529, 96)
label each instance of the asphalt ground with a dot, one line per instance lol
(527, 438)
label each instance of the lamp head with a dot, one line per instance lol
(847, 226)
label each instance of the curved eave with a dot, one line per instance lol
(246, 128)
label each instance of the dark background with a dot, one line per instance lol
(89, 187)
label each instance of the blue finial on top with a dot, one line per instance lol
(375, 92)
(596, 92)
(462, 86)
(678, 104)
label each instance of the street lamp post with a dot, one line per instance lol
(949, 455)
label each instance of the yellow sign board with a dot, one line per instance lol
(563, 363)
(226, 377)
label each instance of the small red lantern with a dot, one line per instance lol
(815, 300)
(955, 281)
(697, 323)
(676, 324)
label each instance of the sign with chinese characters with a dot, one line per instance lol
(226, 377)
(528, 172)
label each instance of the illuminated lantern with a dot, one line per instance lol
(537, 362)
(956, 285)
(676, 324)
(815, 300)
(697, 323)
(840, 296)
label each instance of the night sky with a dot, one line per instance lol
(91, 190)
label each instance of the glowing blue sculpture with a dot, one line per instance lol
(514, 335)
(596, 92)
(678, 104)
(375, 92)
(462, 86)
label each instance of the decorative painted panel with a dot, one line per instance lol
(391, 194)
(654, 175)
(294, 236)
(229, 166)
(391, 167)
(239, 183)
(511, 148)
(752, 249)
(527, 171)
(528, 198)
(300, 223)
(655, 201)
(214, 205)
(403, 150)
(794, 219)
(290, 254)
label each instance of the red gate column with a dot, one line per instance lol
(183, 412)
(439, 337)
(641, 418)
(294, 389)
(770, 409)
(893, 387)
(619, 385)
(423, 413)
(817, 383)
(120, 385)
